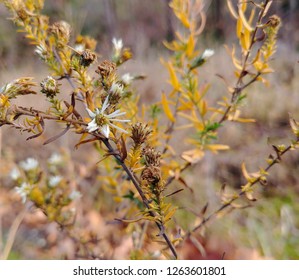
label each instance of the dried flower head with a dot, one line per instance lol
(106, 68)
(103, 121)
(151, 156)
(61, 30)
(87, 57)
(140, 133)
(274, 21)
(49, 87)
(151, 174)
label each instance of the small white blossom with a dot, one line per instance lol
(127, 79)
(29, 164)
(79, 48)
(23, 191)
(41, 51)
(15, 174)
(117, 88)
(55, 159)
(102, 121)
(54, 181)
(75, 195)
(118, 44)
(207, 53)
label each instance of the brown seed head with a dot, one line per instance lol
(140, 133)
(151, 156)
(106, 68)
(62, 31)
(87, 57)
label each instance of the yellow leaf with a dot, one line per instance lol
(166, 108)
(193, 156)
(245, 21)
(169, 215)
(242, 120)
(203, 107)
(217, 147)
(239, 27)
(184, 20)
(245, 173)
(190, 46)
(231, 9)
(236, 62)
(173, 78)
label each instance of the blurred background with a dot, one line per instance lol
(268, 230)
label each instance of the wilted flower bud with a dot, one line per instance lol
(106, 68)
(49, 87)
(62, 31)
(87, 57)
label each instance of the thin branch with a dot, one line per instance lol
(239, 195)
(12, 234)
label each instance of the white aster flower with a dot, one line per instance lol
(54, 181)
(207, 53)
(102, 121)
(23, 191)
(15, 174)
(55, 159)
(117, 88)
(127, 79)
(117, 44)
(75, 195)
(29, 164)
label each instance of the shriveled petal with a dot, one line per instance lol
(105, 130)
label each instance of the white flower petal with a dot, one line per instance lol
(105, 104)
(118, 128)
(105, 130)
(118, 120)
(115, 114)
(29, 164)
(90, 113)
(207, 53)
